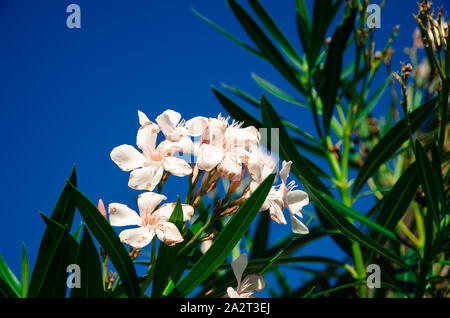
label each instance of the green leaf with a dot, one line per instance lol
(265, 45)
(63, 213)
(6, 290)
(324, 12)
(373, 100)
(228, 35)
(390, 142)
(268, 22)
(110, 242)
(300, 167)
(261, 236)
(330, 78)
(335, 214)
(54, 281)
(25, 272)
(9, 278)
(225, 241)
(236, 111)
(429, 182)
(277, 92)
(436, 162)
(397, 201)
(91, 278)
(166, 260)
(64, 210)
(350, 213)
(303, 24)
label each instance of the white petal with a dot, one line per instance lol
(297, 226)
(230, 167)
(167, 121)
(205, 245)
(127, 157)
(177, 166)
(143, 119)
(284, 172)
(276, 208)
(208, 157)
(146, 178)
(148, 201)
(238, 266)
(169, 234)
(296, 200)
(196, 125)
(251, 283)
(232, 293)
(137, 238)
(121, 215)
(166, 210)
(146, 137)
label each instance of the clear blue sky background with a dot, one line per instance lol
(70, 96)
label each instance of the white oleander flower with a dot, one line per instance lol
(295, 200)
(148, 167)
(260, 165)
(151, 221)
(175, 131)
(222, 145)
(247, 286)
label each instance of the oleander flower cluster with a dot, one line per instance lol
(203, 150)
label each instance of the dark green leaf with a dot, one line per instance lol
(303, 24)
(25, 272)
(110, 242)
(429, 182)
(228, 35)
(261, 236)
(64, 210)
(225, 241)
(397, 201)
(91, 280)
(166, 260)
(9, 278)
(390, 142)
(334, 213)
(268, 22)
(5, 290)
(54, 282)
(265, 45)
(330, 78)
(236, 111)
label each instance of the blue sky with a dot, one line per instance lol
(71, 95)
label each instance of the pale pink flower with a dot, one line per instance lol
(151, 220)
(148, 167)
(247, 286)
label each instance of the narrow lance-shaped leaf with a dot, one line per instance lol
(228, 35)
(91, 279)
(9, 278)
(390, 142)
(332, 210)
(397, 201)
(301, 168)
(110, 242)
(429, 182)
(330, 78)
(54, 282)
(225, 241)
(271, 26)
(63, 213)
(303, 24)
(265, 45)
(167, 255)
(25, 272)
